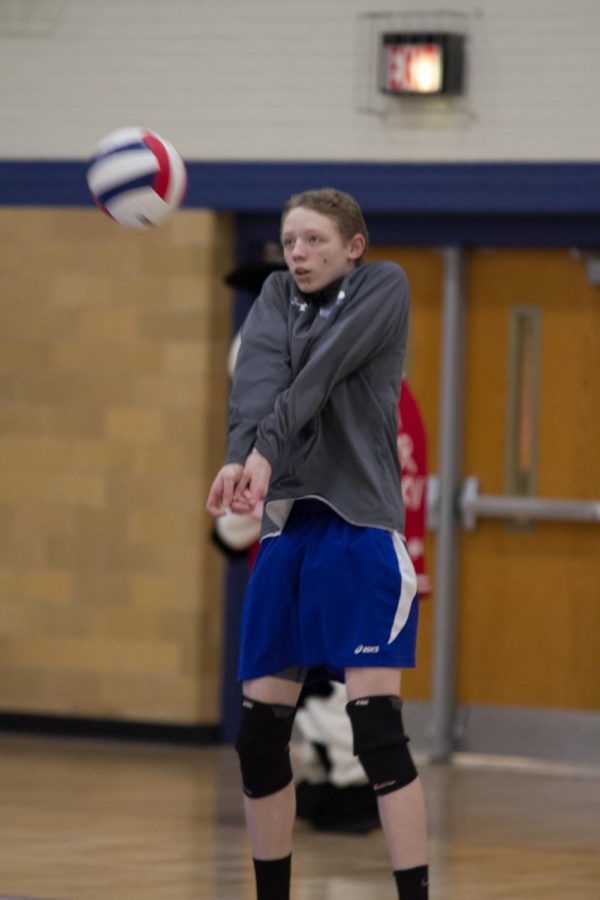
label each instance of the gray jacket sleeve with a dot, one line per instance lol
(262, 370)
(373, 318)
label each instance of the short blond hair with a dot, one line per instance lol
(338, 206)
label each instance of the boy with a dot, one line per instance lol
(313, 425)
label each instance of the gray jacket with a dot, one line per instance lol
(316, 389)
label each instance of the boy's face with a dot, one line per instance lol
(315, 251)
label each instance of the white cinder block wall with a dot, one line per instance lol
(276, 80)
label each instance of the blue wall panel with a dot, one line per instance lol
(481, 203)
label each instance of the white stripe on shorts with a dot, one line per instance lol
(408, 588)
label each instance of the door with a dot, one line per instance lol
(529, 593)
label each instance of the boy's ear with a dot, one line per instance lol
(357, 246)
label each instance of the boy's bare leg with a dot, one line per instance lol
(270, 823)
(404, 822)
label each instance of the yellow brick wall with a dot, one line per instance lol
(113, 391)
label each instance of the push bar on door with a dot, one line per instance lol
(472, 504)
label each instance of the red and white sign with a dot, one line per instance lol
(412, 453)
(413, 68)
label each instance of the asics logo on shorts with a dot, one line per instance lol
(363, 648)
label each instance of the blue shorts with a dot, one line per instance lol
(329, 595)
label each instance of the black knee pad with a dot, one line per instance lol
(380, 742)
(263, 747)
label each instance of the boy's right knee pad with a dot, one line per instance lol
(380, 742)
(263, 747)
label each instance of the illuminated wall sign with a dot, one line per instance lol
(422, 63)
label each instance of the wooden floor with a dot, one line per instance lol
(101, 820)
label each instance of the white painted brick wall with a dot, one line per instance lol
(275, 80)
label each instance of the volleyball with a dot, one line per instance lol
(137, 177)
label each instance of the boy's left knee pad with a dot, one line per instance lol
(380, 742)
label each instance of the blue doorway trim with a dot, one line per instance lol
(403, 229)
(255, 228)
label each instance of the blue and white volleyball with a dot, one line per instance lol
(136, 177)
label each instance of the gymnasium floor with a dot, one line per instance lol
(107, 820)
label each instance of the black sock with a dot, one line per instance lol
(273, 878)
(413, 884)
